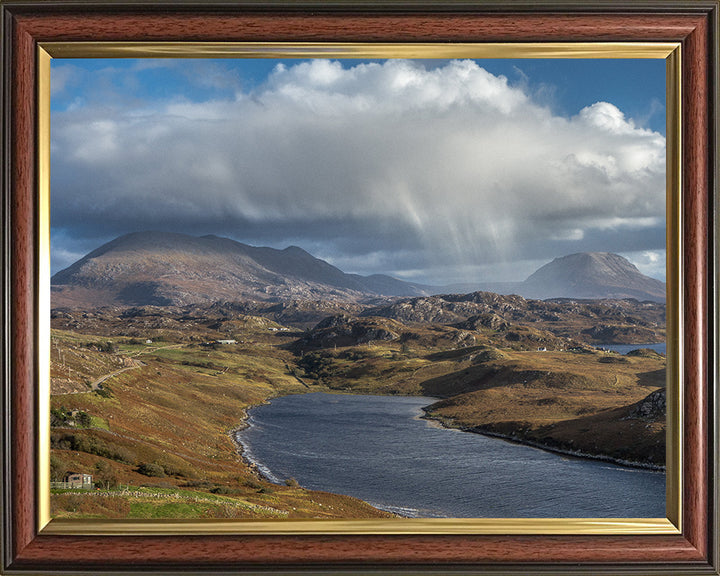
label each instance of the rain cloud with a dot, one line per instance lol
(436, 174)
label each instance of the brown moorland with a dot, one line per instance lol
(159, 442)
(157, 433)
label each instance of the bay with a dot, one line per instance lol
(378, 449)
(659, 347)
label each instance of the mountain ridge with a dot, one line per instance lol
(167, 268)
(164, 268)
(592, 275)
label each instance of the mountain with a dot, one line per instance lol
(585, 275)
(162, 268)
(591, 275)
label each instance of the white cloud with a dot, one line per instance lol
(607, 117)
(451, 162)
(61, 77)
(649, 262)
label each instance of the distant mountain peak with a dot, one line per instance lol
(592, 275)
(595, 259)
(162, 268)
(169, 268)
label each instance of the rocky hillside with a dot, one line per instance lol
(592, 275)
(166, 269)
(593, 321)
(572, 405)
(159, 268)
(344, 330)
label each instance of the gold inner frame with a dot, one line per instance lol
(670, 52)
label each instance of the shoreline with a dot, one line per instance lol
(240, 447)
(256, 469)
(446, 423)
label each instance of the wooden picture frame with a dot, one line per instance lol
(29, 548)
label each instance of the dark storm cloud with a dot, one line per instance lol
(382, 167)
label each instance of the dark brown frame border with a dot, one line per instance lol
(693, 23)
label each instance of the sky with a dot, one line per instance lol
(432, 171)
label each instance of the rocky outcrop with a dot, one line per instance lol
(653, 407)
(592, 321)
(343, 330)
(488, 320)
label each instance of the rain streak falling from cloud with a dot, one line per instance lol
(427, 173)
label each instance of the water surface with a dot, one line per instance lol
(378, 449)
(659, 347)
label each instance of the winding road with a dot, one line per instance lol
(97, 384)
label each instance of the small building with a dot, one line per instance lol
(79, 480)
(226, 341)
(148, 341)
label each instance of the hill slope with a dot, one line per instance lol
(591, 275)
(161, 268)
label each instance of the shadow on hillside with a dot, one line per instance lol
(653, 378)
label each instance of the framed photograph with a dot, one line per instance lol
(249, 246)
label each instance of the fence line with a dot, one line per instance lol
(72, 485)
